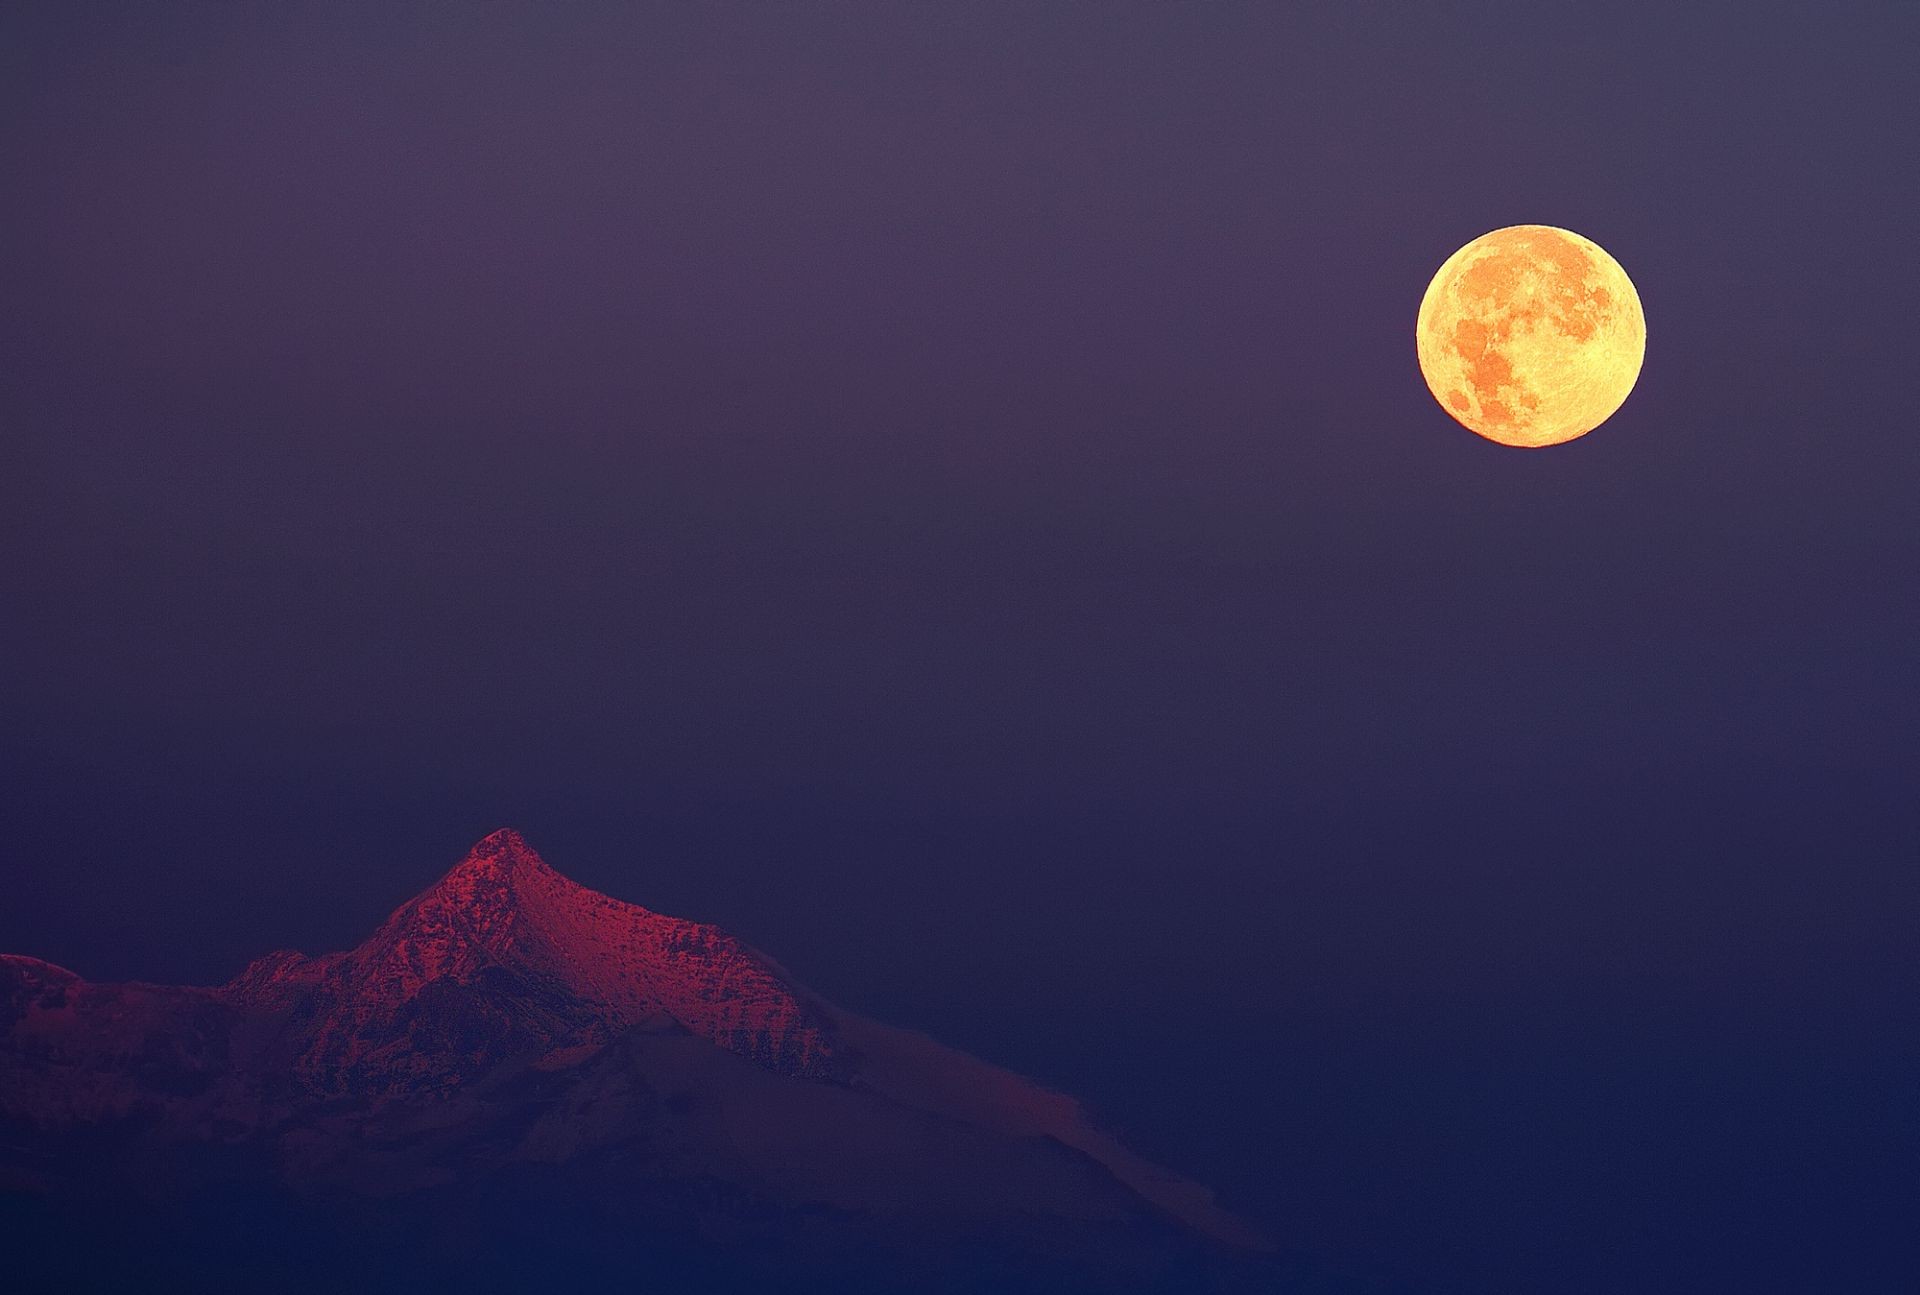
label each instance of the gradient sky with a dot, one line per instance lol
(946, 492)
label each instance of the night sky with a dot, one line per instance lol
(945, 492)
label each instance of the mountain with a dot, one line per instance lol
(510, 1045)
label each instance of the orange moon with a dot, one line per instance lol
(1531, 335)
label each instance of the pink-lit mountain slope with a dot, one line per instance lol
(509, 1017)
(572, 969)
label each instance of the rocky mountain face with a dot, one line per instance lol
(510, 1026)
(503, 958)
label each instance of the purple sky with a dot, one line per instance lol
(945, 491)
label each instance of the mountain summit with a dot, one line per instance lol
(504, 957)
(508, 1021)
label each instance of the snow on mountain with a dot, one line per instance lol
(507, 1015)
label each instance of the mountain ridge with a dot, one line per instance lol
(508, 1016)
(602, 964)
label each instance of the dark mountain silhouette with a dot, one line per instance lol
(517, 1070)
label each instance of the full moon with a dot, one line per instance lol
(1531, 335)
